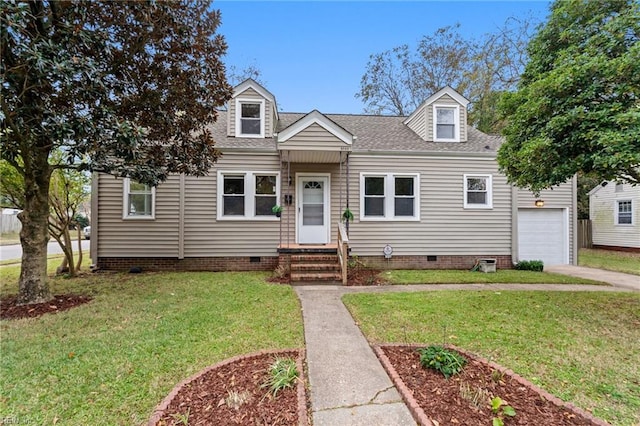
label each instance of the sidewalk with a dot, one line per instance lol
(616, 279)
(347, 383)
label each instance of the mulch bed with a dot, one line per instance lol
(447, 402)
(208, 397)
(9, 308)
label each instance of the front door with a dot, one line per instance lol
(313, 209)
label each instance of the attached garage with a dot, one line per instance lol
(543, 235)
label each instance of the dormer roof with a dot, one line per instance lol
(446, 90)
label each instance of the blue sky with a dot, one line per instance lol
(313, 54)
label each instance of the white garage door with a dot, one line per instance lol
(542, 235)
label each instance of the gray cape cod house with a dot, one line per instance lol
(424, 192)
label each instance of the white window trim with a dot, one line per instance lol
(249, 193)
(263, 118)
(456, 120)
(389, 197)
(489, 203)
(617, 212)
(126, 185)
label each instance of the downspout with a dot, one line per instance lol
(347, 221)
(181, 209)
(93, 242)
(574, 220)
(514, 225)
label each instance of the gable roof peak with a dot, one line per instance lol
(250, 83)
(316, 117)
(446, 90)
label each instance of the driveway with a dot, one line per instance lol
(15, 251)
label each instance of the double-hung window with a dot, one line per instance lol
(624, 212)
(477, 192)
(138, 201)
(446, 120)
(250, 118)
(247, 195)
(389, 196)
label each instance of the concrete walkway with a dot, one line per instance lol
(616, 279)
(348, 385)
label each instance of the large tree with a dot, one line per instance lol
(125, 88)
(397, 81)
(68, 190)
(577, 107)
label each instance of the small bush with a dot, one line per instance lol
(441, 359)
(282, 374)
(530, 265)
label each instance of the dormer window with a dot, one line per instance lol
(446, 123)
(250, 118)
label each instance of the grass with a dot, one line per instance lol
(583, 347)
(434, 276)
(9, 238)
(610, 260)
(112, 360)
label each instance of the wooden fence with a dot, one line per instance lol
(584, 234)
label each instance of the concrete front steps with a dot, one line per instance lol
(315, 268)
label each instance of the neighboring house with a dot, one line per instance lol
(614, 210)
(426, 185)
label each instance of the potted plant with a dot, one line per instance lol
(347, 215)
(277, 210)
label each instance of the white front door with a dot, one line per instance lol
(313, 209)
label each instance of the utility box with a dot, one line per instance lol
(487, 265)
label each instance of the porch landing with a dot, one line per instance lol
(308, 248)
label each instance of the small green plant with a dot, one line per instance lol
(277, 210)
(441, 359)
(347, 215)
(530, 265)
(501, 409)
(182, 418)
(282, 374)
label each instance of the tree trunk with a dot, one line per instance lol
(34, 236)
(79, 264)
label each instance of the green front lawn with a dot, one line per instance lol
(435, 276)
(112, 360)
(583, 347)
(618, 261)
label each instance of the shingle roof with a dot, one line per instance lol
(373, 132)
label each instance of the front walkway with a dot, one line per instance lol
(348, 384)
(616, 279)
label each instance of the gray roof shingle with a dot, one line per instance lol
(374, 133)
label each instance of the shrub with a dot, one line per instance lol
(282, 374)
(530, 265)
(446, 361)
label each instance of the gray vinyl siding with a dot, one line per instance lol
(446, 100)
(313, 138)
(205, 236)
(560, 197)
(445, 226)
(120, 237)
(268, 112)
(418, 124)
(422, 122)
(603, 212)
